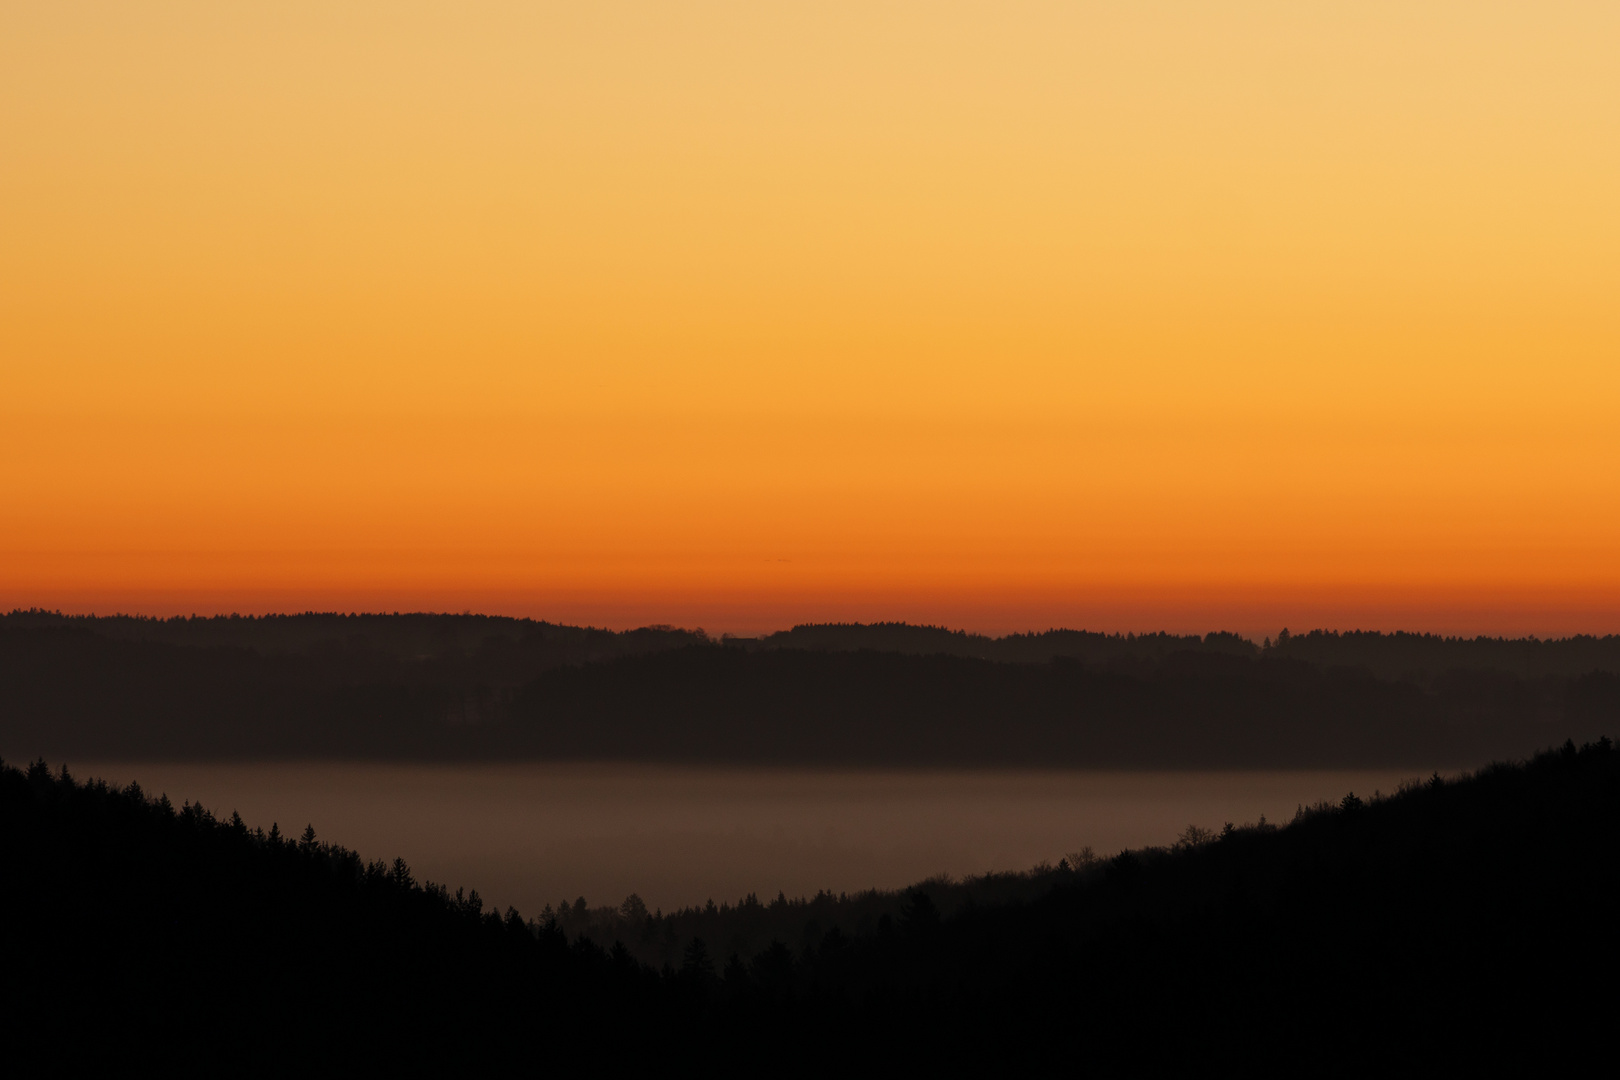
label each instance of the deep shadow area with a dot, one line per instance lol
(466, 687)
(1454, 923)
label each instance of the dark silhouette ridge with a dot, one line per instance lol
(432, 687)
(1457, 922)
(1387, 655)
(510, 650)
(489, 645)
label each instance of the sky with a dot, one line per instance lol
(1117, 315)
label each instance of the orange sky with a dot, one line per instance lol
(1121, 315)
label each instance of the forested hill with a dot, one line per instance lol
(137, 932)
(1393, 655)
(508, 651)
(488, 647)
(1456, 923)
(471, 687)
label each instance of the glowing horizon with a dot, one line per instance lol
(1113, 316)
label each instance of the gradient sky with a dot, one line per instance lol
(1121, 315)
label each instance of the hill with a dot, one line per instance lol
(1454, 923)
(428, 687)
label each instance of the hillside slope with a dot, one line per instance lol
(1455, 922)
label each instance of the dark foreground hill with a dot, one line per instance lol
(1454, 924)
(436, 687)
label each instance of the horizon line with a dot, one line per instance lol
(1283, 633)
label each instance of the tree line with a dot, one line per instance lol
(501, 650)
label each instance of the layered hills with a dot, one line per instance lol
(443, 687)
(1459, 922)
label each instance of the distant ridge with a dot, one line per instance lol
(471, 687)
(408, 635)
(1389, 654)
(527, 645)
